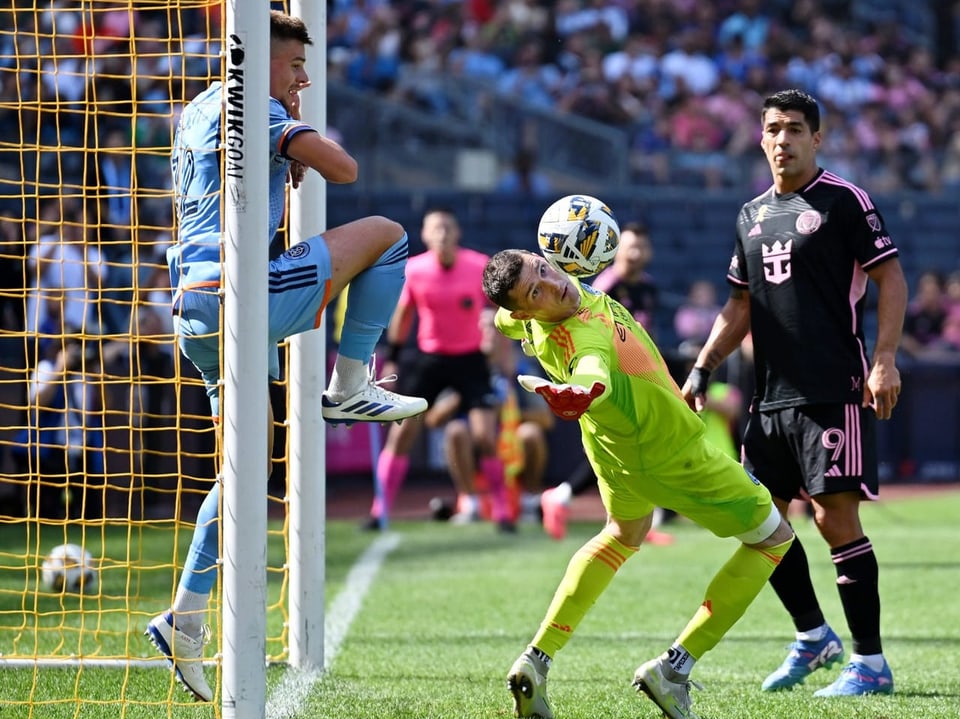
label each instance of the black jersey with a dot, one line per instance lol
(803, 257)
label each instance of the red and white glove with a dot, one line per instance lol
(567, 401)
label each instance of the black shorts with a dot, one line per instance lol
(469, 375)
(819, 449)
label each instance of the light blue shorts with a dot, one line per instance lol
(299, 287)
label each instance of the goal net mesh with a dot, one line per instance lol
(106, 440)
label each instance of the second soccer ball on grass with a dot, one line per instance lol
(579, 235)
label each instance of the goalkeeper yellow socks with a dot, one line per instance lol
(732, 590)
(588, 574)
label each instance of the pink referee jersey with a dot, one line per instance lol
(448, 301)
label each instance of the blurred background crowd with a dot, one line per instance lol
(682, 78)
(685, 75)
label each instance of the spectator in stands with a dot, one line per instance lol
(694, 319)
(523, 179)
(924, 323)
(442, 293)
(64, 263)
(531, 78)
(115, 178)
(59, 453)
(627, 280)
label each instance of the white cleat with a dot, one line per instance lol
(673, 698)
(527, 682)
(183, 652)
(372, 403)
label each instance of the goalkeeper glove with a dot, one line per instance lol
(567, 401)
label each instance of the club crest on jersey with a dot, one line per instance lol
(776, 261)
(297, 251)
(808, 222)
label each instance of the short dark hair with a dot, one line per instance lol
(500, 276)
(794, 100)
(636, 227)
(287, 27)
(441, 210)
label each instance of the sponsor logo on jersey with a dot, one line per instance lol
(776, 261)
(755, 230)
(808, 222)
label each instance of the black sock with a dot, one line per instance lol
(857, 575)
(582, 479)
(791, 581)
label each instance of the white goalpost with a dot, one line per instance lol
(307, 469)
(245, 461)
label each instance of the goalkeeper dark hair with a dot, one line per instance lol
(500, 276)
(287, 27)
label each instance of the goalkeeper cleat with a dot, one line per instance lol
(527, 681)
(555, 512)
(857, 679)
(672, 697)
(803, 659)
(183, 652)
(372, 403)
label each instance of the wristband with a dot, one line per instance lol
(699, 379)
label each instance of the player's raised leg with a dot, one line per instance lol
(370, 255)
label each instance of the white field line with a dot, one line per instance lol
(287, 699)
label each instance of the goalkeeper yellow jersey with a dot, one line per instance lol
(641, 421)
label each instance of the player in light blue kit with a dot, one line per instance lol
(369, 254)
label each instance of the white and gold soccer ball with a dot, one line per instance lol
(579, 235)
(68, 568)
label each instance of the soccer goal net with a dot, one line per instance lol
(106, 443)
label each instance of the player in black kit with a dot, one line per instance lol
(805, 250)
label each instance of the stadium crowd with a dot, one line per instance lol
(683, 77)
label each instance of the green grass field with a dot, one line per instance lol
(452, 607)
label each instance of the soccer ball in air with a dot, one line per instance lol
(579, 235)
(68, 568)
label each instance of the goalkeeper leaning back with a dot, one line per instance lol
(647, 449)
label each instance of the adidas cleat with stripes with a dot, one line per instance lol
(372, 404)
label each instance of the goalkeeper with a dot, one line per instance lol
(647, 449)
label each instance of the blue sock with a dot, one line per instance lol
(200, 568)
(371, 300)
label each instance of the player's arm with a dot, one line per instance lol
(324, 155)
(729, 330)
(883, 383)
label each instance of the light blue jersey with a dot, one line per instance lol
(298, 280)
(195, 163)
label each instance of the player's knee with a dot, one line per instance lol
(388, 231)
